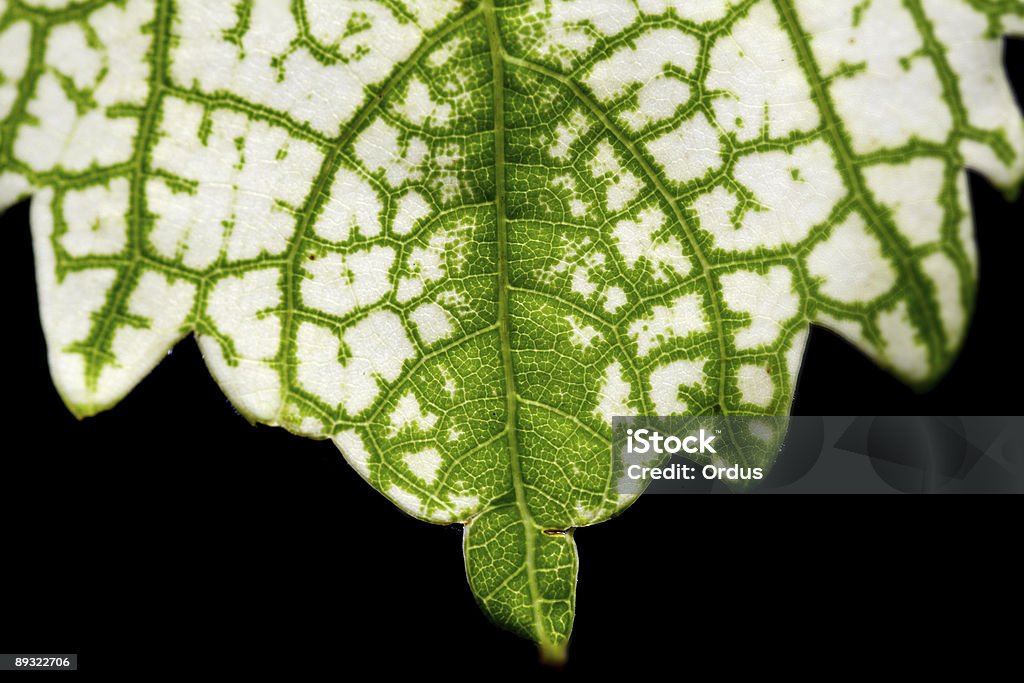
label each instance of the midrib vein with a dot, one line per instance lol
(504, 332)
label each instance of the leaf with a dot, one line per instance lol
(456, 238)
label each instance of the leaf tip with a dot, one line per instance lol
(1012, 191)
(82, 410)
(554, 655)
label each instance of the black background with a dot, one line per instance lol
(170, 528)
